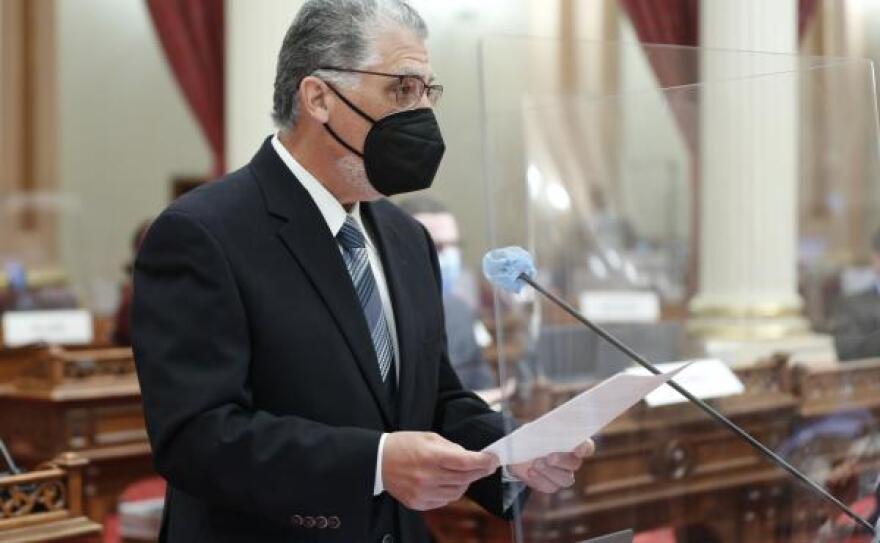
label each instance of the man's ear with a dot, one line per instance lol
(313, 99)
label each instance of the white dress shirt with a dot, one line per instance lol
(334, 214)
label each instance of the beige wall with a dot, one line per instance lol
(124, 132)
(254, 31)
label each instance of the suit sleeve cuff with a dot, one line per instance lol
(378, 487)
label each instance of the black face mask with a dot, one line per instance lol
(402, 151)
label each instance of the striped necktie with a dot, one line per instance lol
(354, 252)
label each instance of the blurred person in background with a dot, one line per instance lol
(122, 318)
(465, 333)
(855, 320)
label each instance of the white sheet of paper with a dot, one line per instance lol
(705, 378)
(570, 424)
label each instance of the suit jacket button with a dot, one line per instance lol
(321, 522)
(296, 520)
(309, 522)
(388, 538)
(333, 522)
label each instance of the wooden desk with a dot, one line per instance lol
(82, 400)
(654, 467)
(14, 360)
(673, 466)
(45, 504)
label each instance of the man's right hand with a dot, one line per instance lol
(423, 471)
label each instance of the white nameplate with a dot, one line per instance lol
(706, 378)
(68, 327)
(620, 305)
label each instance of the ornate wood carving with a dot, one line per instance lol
(45, 504)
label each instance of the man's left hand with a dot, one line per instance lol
(553, 472)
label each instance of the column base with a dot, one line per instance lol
(748, 328)
(810, 349)
(738, 318)
(742, 335)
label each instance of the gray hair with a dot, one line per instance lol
(338, 33)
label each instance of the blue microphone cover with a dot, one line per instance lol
(502, 267)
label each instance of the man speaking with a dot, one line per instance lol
(287, 321)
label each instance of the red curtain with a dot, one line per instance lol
(806, 10)
(192, 36)
(676, 22)
(671, 22)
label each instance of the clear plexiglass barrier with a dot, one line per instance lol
(700, 205)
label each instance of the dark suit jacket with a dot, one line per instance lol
(260, 384)
(855, 323)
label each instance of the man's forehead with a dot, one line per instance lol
(403, 52)
(407, 68)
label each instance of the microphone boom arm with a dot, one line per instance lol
(712, 412)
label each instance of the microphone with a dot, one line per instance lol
(511, 268)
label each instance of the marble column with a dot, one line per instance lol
(747, 305)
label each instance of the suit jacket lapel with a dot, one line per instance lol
(396, 261)
(311, 243)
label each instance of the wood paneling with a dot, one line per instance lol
(28, 127)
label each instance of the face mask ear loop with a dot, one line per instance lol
(354, 108)
(341, 141)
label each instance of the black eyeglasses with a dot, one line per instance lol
(409, 90)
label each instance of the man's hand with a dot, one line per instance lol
(424, 471)
(555, 471)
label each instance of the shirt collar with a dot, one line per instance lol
(332, 211)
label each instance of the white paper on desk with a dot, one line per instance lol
(570, 424)
(706, 378)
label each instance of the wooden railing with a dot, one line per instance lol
(45, 504)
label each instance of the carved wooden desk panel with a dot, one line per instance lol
(45, 504)
(83, 400)
(13, 361)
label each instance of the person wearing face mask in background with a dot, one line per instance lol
(287, 318)
(465, 333)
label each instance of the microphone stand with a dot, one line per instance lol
(13, 468)
(712, 412)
